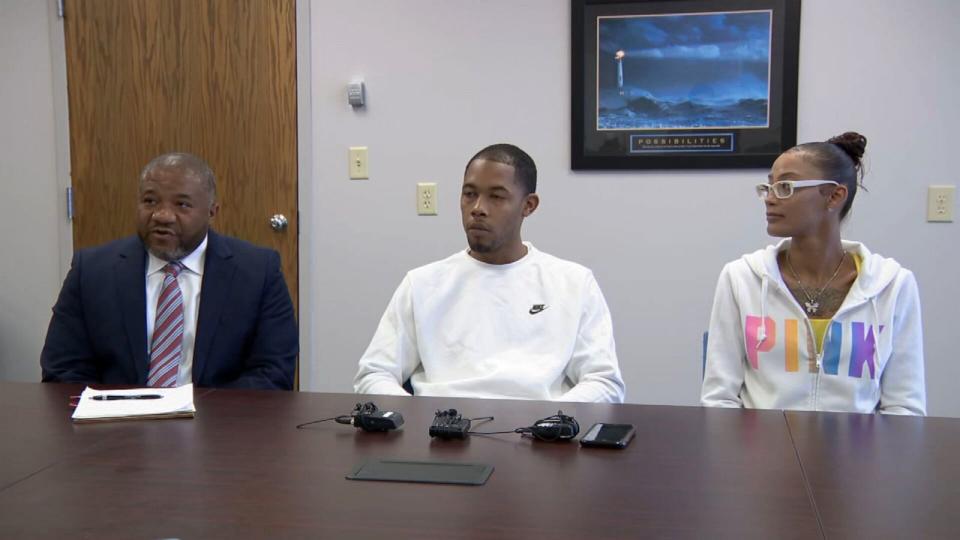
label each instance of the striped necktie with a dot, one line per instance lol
(166, 349)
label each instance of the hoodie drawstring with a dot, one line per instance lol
(762, 331)
(876, 338)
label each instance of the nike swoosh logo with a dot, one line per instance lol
(537, 308)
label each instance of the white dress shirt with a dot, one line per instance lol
(190, 280)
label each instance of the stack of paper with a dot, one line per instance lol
(135, 403)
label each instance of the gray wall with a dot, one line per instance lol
(30, 217)
(446, 78)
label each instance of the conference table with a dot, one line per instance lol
(241, 469)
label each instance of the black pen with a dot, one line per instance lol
(111, 397)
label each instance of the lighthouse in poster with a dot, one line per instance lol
(619, 56)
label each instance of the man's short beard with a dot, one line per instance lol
(172, 255)
(478, 247)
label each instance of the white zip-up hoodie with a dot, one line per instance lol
(761, 352)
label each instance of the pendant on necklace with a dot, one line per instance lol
(812, 307)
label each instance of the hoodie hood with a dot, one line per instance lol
(876, 271)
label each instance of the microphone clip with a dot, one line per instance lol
(559, 427)
(368, 417)
(449, 424)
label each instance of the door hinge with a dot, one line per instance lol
(60, 8)
(69, 204)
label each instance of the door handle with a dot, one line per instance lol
(278, 222)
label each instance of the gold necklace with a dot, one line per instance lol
(813, 300)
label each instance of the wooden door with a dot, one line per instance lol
(216, 78)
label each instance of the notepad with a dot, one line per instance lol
(172, 403)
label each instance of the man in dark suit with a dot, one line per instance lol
(177, 303)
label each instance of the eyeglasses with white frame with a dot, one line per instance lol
(784, 188)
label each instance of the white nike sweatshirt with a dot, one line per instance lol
(761, 352)
(538, 328)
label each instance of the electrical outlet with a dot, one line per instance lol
(940, 203)
(358, 163)
(427, 198)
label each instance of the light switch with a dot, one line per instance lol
(940, 203)
(427, 198)
(358, 162)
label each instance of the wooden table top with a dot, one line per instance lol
(242, 469)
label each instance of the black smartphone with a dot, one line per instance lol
(608, 435)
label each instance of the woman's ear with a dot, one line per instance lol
(837, 198)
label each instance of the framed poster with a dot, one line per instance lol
(683, 84)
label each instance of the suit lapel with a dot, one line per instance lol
(218, 271)
(131, 275)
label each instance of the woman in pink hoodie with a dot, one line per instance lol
(815, 322)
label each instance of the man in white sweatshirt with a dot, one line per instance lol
(500, 319)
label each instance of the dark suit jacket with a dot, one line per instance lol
(246, 332)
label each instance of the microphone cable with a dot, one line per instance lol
(552, 428)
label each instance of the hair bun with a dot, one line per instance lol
(852, 143)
